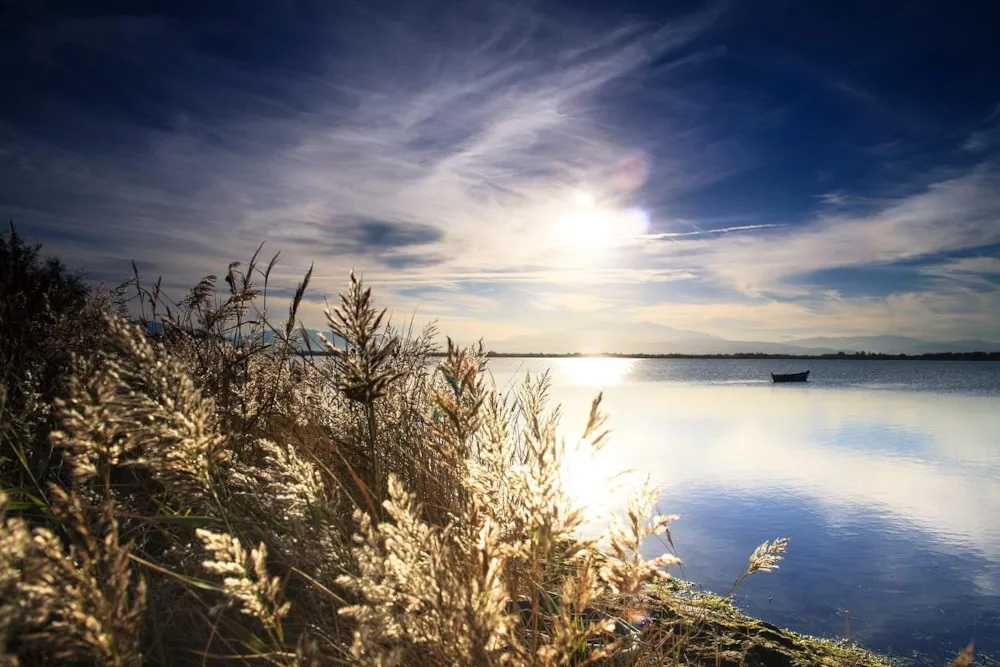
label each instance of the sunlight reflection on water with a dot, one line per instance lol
(891, 496)
(586, 471)
(598, 372)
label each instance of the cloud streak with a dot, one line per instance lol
(703, 232)
(443, 151)
(948, 216)
(468, 141)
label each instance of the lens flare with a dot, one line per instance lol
(633, 171)
(634, 222)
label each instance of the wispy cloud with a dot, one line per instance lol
(424, 156)
(980, 141)
(946, 216)
(577, 301)
(945, 315)
(437, 152)
(969, 265)
(834, 198)
(703, 232)
(986, 136)
(981, 274)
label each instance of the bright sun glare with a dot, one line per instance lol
(596, 481)
(597, 372)
(588, 226)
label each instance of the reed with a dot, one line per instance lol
(181, 487)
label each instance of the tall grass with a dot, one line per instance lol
(181, 487)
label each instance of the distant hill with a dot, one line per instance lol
(642, 338)
(649, 338)
(653, 339)
(895, 345)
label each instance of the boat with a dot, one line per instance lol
(790, 377)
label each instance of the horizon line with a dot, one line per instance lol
(885, 356)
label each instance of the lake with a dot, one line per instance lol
(884, 474)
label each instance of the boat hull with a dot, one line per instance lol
(790, 377)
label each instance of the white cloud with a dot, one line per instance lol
(981, 141)
(834, 198)
(483, 134)
(959, 213)
(703, 232)
(967, 265)
(445, 160)
(577, 302)
(945, 315)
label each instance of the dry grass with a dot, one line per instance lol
(207, 496)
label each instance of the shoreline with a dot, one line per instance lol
(934, 356)
(717, 633)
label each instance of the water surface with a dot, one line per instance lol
(884, 474)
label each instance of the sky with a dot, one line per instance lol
(759, 170)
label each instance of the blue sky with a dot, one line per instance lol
(757, 170)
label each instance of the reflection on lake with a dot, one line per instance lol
(885, 475)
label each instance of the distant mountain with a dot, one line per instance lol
(641, 338)
(649, 338)
(894, 344)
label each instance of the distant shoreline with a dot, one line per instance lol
(934, 356)
(861, 356)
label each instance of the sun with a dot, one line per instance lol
(587, 226)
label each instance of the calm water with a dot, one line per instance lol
(885, 475)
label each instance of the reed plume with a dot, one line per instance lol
(188, 487)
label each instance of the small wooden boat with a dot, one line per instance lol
(790, 377)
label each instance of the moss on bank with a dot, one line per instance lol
(705, 629)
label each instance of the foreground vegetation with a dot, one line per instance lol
(203, 495)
